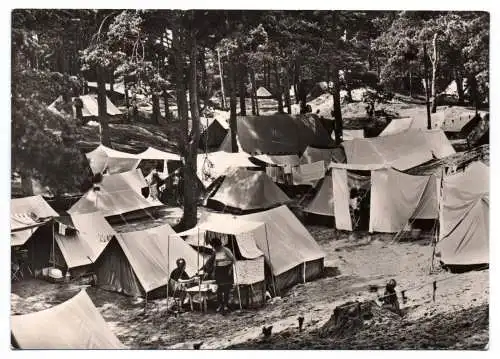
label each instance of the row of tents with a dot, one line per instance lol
(138, 263)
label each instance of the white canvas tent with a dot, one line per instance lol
(117, 194)
(26, 216)
(351, 134)
(464, 220)
(291, 253)
(262, 92)
(82, 247)
(74, 324)
(323, 202)
(246, 190)
(137, 263)
(112, 161)
(212, 165)
(401, 151)
(90, 107)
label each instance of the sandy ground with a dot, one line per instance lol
(353, 263)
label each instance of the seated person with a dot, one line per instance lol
(176, 276)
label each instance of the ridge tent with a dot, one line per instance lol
(278, 134)
(117, 195)
(401, 151)
(154, 154)
(262, 92)
(212, 132)
(212, 165)
(103, 158)
(239, 236)
(78, 248)
(74, 324)
(464, 220)
(243, 190)
(138, 263)
(291, 253)
(26, 216)
(90, 107)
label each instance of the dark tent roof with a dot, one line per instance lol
(281, 134)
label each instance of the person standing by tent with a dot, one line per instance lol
(220, 264)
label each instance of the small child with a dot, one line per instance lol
(390, 298)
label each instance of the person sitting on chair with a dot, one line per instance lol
(177, 275)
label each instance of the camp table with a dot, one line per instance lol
(203, 290)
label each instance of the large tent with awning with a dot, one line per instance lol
(278, 134)
(74, 324)
(240, 237)
(313, 154)
(291, 253)
(27, 214)
(79, 239)
(402, 151)
(393, 198)
(243, 190)
(117, 195)
(138, 263)
(464, 221)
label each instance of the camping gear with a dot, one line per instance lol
(74, 324)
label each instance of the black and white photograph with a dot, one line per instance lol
(239, 179)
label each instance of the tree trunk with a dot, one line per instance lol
(166, 106)
(26, 184)
(204, 78)
(288, 100)
(180, 87)
(279, 91)
(426, 80)
(411, 94)
(254, 90)
(127, 100)
(156, 107)
(242, 89)
(111, 82)
(296, 81)
(189, 218)
(102, 108)
(232, 104)
(268, 69)
(337, 112)
(434, 70)
(221, 74)
(252, 97)
(459, 80)
(473, 92)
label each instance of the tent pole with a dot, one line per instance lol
(270, 263)
(53, 245)
(440, 215)
(168, 268)
(198, 263)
